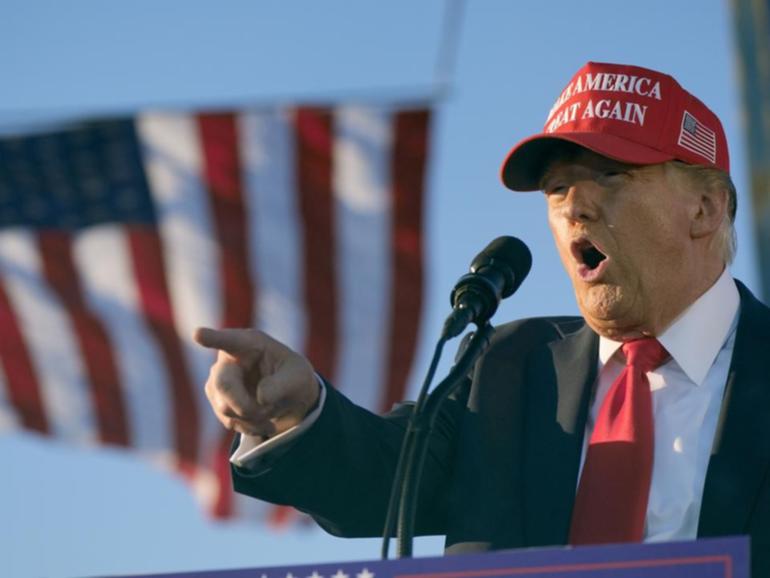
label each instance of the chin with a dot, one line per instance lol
(606, 306)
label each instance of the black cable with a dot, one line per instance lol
(407, 451)
(445, 64)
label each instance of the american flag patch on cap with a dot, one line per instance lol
(697, 138)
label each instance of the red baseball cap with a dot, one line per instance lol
(627, 113)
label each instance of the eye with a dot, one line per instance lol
(611, 177)
(555, 188)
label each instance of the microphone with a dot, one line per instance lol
(495, 274)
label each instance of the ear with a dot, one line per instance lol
(709, 210)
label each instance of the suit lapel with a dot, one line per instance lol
(741, 453)
(557, 405)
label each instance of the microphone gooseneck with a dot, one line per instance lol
(495, 274)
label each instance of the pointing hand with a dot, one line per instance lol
(257, 386)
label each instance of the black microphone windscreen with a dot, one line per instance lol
(509, 254)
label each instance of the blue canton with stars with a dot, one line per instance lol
(85, 175)
(690, 124)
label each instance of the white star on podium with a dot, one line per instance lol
(315, 574)
(340, 574)
(365, 574)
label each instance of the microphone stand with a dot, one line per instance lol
(414, 448)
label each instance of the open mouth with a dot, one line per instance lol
(592, 257)
(586, 253)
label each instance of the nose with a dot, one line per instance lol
(580, 203)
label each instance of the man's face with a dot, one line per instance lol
(623, 234)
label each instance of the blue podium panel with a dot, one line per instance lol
(711, 558)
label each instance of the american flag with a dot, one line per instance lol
(698, 138)
(119, 236)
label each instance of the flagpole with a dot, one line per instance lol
(449, 47)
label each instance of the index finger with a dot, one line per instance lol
(233, 341)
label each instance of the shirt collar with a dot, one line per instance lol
(696, 336)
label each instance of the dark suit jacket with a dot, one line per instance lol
(503, 462)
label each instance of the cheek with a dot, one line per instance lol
(671, 224)
(560, 239)
(653, 242)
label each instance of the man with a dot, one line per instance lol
(646, 419)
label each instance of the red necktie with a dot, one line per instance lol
(611, 501)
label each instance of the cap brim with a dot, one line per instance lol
(523, 168)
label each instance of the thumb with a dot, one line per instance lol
(272, 390)
(293, 384)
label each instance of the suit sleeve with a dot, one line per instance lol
(340, 470)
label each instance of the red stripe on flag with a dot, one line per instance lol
(92, 339)
(150, 273)
(314, 183)
(21, 379)
(408, 164)
(223, 504)
(223, 175)
(281, 516)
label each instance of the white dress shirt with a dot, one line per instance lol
(687, 395)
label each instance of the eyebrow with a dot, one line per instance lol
(547, 174)
(606, 164)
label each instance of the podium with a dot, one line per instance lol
(708, 558)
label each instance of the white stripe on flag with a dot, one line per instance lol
(110, 290)
(47, 330)
(205, 486)
(8, 418)
(274, 237)
(275, 230)
(173, 163)
(697, 146)
(361, 177)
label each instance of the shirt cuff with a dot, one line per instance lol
(251, 448)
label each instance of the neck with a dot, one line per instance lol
(707, 276)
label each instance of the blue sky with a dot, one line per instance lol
(78, 512)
